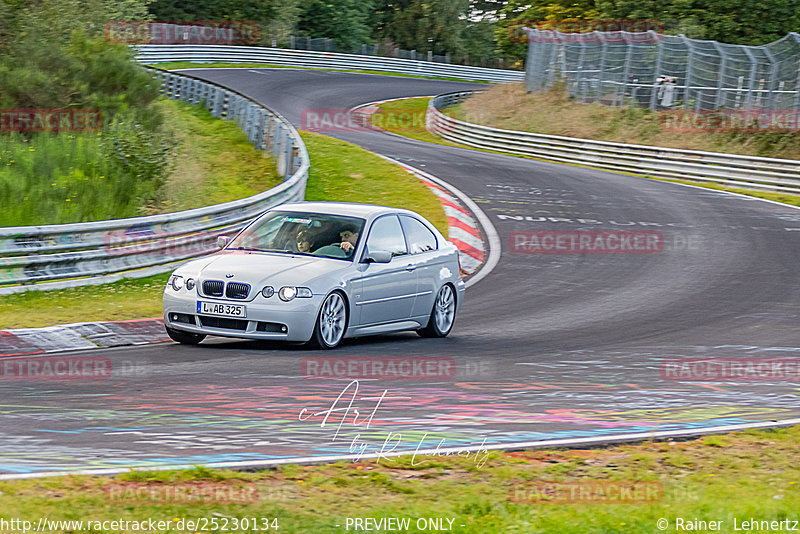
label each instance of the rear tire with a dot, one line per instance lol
(443, 314)
(331, 322)
(184, 338)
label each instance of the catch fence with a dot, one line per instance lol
(649, 69)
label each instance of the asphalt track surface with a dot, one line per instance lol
(546, 347)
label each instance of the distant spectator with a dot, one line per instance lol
(666, 90)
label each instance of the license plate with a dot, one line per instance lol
(223, 310)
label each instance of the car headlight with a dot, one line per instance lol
(176, 282)
(290, 293)
(268, 292)
(190, 283)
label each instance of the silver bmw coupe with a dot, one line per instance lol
(319, 272)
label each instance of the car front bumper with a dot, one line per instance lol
(266, 319)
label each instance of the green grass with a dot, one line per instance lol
(406, 117)
(127, 299)
(59, 178)
(174, 65)
(214, 161)
(64, 178)
(757, 479)
(340, 171)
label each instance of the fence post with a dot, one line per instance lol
(551, 71)
(797, 92)
(579, 78)
(627, 70)
(688, 78)
(530, 66)
(722, 66)
(773, 76)
(753, 65)
(603, 52)
(796, 39)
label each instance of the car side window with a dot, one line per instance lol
(419, 237)
(386, 234)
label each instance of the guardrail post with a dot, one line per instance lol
(258, 128)
(219, 102)
(296, 159)
(269, 133)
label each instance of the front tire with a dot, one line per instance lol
(443, 314)
(184, 338)
(331, 322)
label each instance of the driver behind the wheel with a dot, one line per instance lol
(349, 237)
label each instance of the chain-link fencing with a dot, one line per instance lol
(649, 69)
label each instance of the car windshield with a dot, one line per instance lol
(313, 234)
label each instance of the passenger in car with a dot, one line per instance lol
(305, 241)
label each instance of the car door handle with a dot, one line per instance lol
(410, 267)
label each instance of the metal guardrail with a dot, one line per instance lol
(152, 54)
(749, 172)
(67, 255)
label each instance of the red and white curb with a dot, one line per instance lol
(78, 336)
(463, 229)
(476, 254)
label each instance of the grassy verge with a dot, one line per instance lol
(740, 476)
(332, 177)
(126, 299)
(65, 177)
(553, 112)
(214, 162)
(375, 181)
(173, 65)
(406, 117)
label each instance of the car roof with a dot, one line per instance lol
(365, 211)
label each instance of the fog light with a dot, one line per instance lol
(283, 328)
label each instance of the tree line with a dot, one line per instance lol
(465, 29)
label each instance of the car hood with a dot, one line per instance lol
(259, 269)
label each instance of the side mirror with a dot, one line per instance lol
(222, 241)
(378, 256)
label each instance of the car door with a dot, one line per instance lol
(387, 289)
(423, 248)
